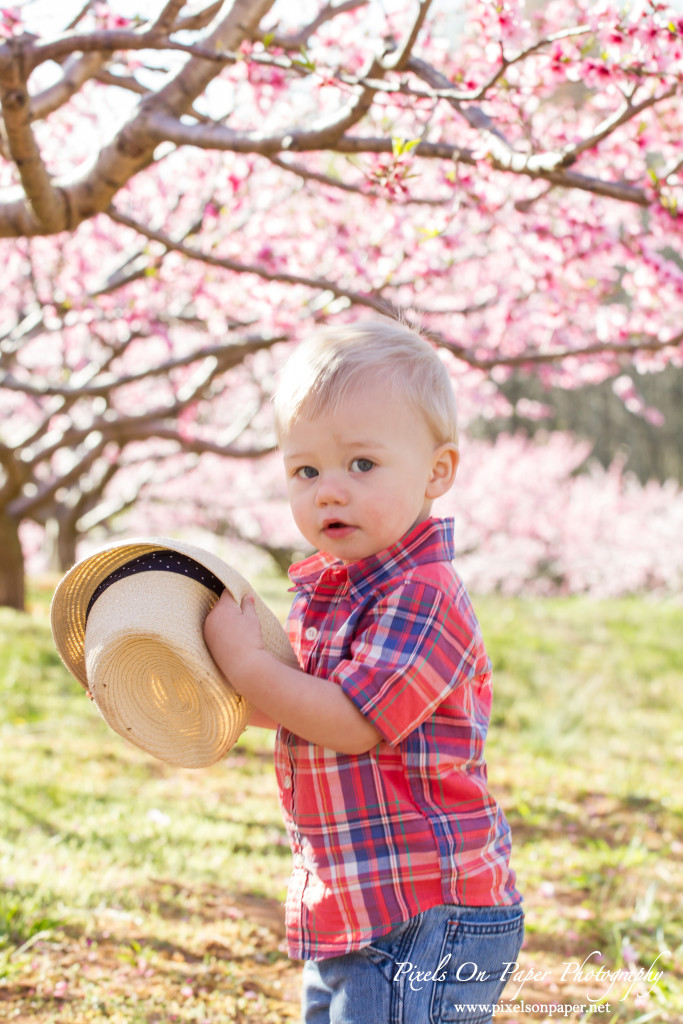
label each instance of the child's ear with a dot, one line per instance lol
(445, 461)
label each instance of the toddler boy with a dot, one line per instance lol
(402, 902)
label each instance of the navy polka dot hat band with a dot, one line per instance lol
(159, 561)
(128, 622)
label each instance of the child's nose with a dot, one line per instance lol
(330, 490)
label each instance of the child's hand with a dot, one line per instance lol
(232, 633)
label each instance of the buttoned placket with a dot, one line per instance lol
(334, 584)
(287, 798)
(311, 636)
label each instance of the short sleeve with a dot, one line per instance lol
(412, 649)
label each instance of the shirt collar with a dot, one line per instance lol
(431, 540)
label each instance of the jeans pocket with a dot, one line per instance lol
(384, 951)
(477, 957)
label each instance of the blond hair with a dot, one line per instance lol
(335, 360)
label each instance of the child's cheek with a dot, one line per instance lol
(380, 514)
(302, 513)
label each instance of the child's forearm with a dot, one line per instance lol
(261, 720)
(315, 709)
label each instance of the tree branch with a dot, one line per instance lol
(61, 405)
(226, 355)
(81, 14)
(201, 446)
(159, 116)
(48, 204)
(397, 58)
(91, 493)
(16, 474)
(28, 326)
(132, 149)
(556, 355)
(27, 505)
(506, 62)
(112, 40)
(168, 15)
(545, 166)
(127, 82)
(140, 426)
(318, 284)
(193, 22)
(48, 207)
(300, 39)
(322, 135)
(610, 124)
(324, 179)
(76, 72)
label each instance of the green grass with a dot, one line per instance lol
(587, 741)
(130, 890)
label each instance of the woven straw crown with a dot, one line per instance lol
(142, 654)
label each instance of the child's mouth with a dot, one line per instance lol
(336, 528)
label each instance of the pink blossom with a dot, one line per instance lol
(10, 21)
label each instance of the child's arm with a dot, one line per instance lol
(262, 721)
(316, 709)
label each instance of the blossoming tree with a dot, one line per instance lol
(185, 189)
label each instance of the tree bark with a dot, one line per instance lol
(12, 592)
(67, 540)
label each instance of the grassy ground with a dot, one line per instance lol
(131, 891)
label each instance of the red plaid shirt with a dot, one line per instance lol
(380, 837)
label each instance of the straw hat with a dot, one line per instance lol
(142, 655)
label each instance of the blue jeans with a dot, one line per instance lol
(448, 965)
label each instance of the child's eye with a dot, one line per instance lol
(306, 472)
(362, 465)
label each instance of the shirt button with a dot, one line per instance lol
(298, 860)
(287, 784)
(311, 633)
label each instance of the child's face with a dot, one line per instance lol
(360, 476)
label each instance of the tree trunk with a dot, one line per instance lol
(67, 539)
(61, 540)
(11, 564)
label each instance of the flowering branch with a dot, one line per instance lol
(319, 284)
(298, 40)
(218, 357)
(47, 209)
(556, 355)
